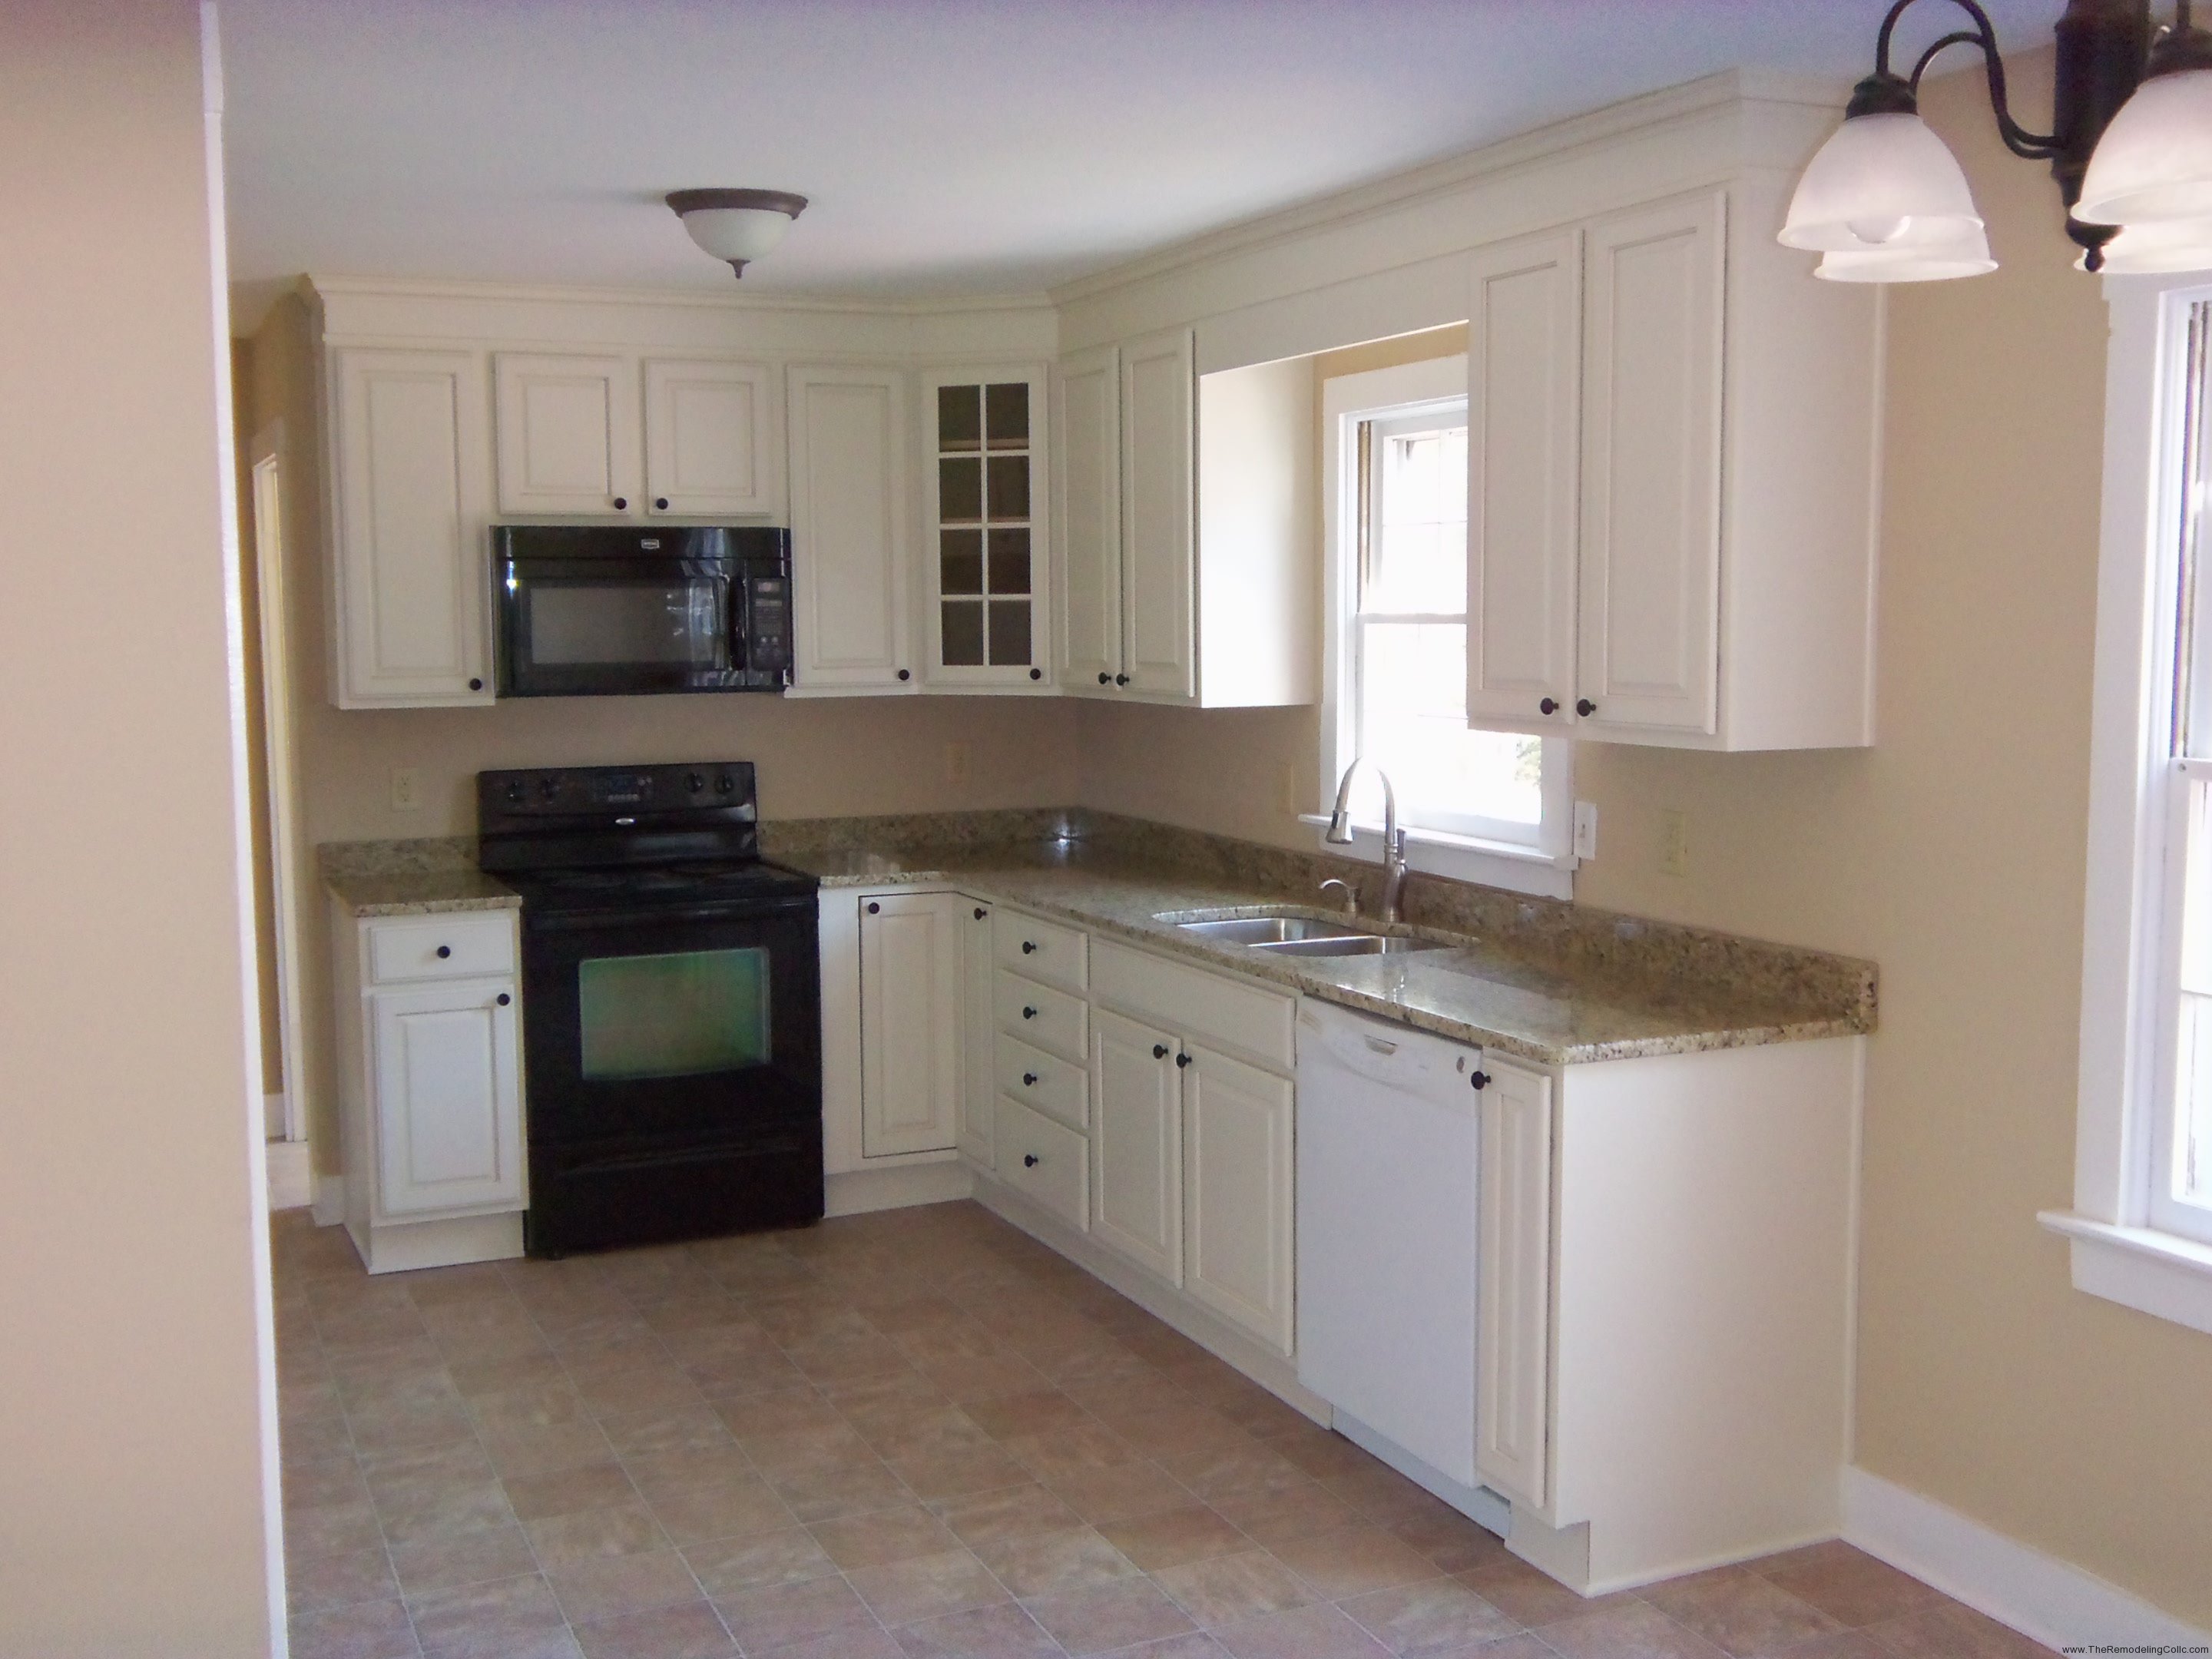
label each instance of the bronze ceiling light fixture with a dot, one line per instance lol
(2130, 144)
(737, 226)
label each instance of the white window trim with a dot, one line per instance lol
(2116, 1253)
(1547, 870)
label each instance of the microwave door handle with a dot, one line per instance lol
(737, 608)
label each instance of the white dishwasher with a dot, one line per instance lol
(1387, 1146)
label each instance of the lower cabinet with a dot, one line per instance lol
(1513, 1297)
(1047, 1162)
(1136, 1142)
(1237, 1177)
(912, 1013)
(430, 1087)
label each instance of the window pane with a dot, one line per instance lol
(959, 490)
(1010, 561)
(1010, 632)
(1010, 487)
(1412, 724)
(1008, 408)
(673, 1016)
(960, 554)
(964, 633)
(1417, 551)
(959, 417)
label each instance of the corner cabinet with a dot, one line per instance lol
(848, 531)
(409, 503)
(911, 1014)
(986, 543)
(430, 1087)
(1672, 456)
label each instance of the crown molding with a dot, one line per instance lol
(413, 288)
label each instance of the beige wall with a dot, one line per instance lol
(133, 1338)
(1952, 854)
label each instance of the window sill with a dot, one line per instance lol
(1464, 857)
(2162, 1274)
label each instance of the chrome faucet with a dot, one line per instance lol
(1350, 894)
(1394, 838)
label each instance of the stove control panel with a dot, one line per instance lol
(710, 790)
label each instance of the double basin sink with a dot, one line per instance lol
(1289, 934)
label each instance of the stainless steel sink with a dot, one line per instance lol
(1353, 945)
(1271, 931)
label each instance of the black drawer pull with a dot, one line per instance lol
(1029, 1160)
(1029, 1079)
(1029, 1013)
(875, 909)
(504, 999)
(1028, 947)
(445, 951)
(982, 915)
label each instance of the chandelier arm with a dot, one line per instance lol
(2034, 146)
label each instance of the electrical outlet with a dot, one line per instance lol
(1674, 841)
(1286, 789)
(406, 789)
(1585, 828)
(957, 766)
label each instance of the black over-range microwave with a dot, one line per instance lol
(609, 610)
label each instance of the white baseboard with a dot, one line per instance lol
(291, 1175)
(2055, 1602)
(329, 1199)
(856, 1192)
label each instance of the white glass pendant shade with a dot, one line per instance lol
(1964, 255)
(737, 226)
(1881, 182)
(2148, 250)
(2153, 163)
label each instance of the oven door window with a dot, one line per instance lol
(678, 1015)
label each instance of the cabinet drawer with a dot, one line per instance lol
(1052, 1020)
(462, 946)
(1233, 1014)
(1045, 1163)
(1039, 950)
(1039, 1080)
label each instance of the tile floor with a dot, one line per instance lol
(911, 1434)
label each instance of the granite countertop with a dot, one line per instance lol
(1654, 1000)
(410, 878)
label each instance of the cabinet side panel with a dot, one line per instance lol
(1259, 537)
(1514, 1299)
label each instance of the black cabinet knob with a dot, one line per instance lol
(982, 915)
(904, 674)
(1028, 947)
(1037, 673)
(1029, 1079)
(445, 951)
(1105, 678)
(1480, 1079)
(1159, 1051)
(1585, 708)
(1121, 679)
(621, 503)
(476, 685)
(1183, 1059)
(875, 909)
(504, 999)
(660, 503)
(1549, 706)
(1029, 1013)
(1029, 1160)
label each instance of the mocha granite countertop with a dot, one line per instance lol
(1545, 984)
(410, 878)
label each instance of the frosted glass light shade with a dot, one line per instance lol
(737, 226)
(2153, 163)
(1883, 181)
(2154, 249)
(1964, 255)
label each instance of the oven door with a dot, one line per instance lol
(572, 627)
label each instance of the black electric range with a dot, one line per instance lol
(671, 1004)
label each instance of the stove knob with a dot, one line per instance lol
(514, 792)
(696, 782)
(549, 787)
(725, 785)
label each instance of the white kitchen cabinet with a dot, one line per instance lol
(978, 1088)
(567, 434)
(1136, 1143)
(913, 1015)
(849, 526)
(1239, 1254)
(1087, 514)
(1513, 1297)
(448, 1098)
(1524, 415)
(1159, 520)
(410, 474)
(713, 439)
(986, 558)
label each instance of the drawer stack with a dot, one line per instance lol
(1041, 1046)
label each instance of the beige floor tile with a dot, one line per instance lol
(1947, 1631)
(331, 1529)
(926, 1586)
(674, 1472)
(1118, 1492)
(1170, 1430)
(1436, 1616)
(1353, 1560)
(339, 1580)
(1038, 1412)
(608, 1586)
(1247, 1467)
(1121, 1614)
(533, 1406)
(987, 1376)
(472, 1379)
(485, 1621)
(883, 1536)
(1452, 1542)
(823, 1445)
(613, 1529)
(310, 1485)
(1528, 1597)
(731, 1507)
(1629, 1630)
(366, 1629)
(1056, 1563)
(645, 1388)
(730, 1566)
(1000, 1632)
(780, 1411)
(686, 1432)
(1172, 1538)
(1059, 1454)
(1230, 1588)
(824, 1493)
(1847, 1584)
(566, 1492)
(1319, 1632)
(1382, 1495)
(538, 1451)
(781, 1613)
(1740, 1613)
(950, 1475)
(429, 1564)
(1017, 1511)
(690, 1631)
(1196, 1645)
(445, 1511)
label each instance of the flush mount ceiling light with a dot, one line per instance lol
(738, 225)
(1884, 200)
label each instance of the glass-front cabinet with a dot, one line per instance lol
(987, 475)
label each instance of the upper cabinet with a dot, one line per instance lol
(1186, 509)
(848, 529)
(567, 434)
(1670, 481)
(409, 499)
(712, 432)
(986, 532)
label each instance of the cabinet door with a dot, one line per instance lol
(710, 431)
(447, 1096)
(1651, 467)
(913, 1005)
(1513, 1284)
(1238, 1250)
(1524, 337)
(1159, 450)
(410, 491)
(1136, 1143)
(978, 1086)
(1087, 452)
(848, 522)
(986, 615)
(567, 434)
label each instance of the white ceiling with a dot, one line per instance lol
(948, 146)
